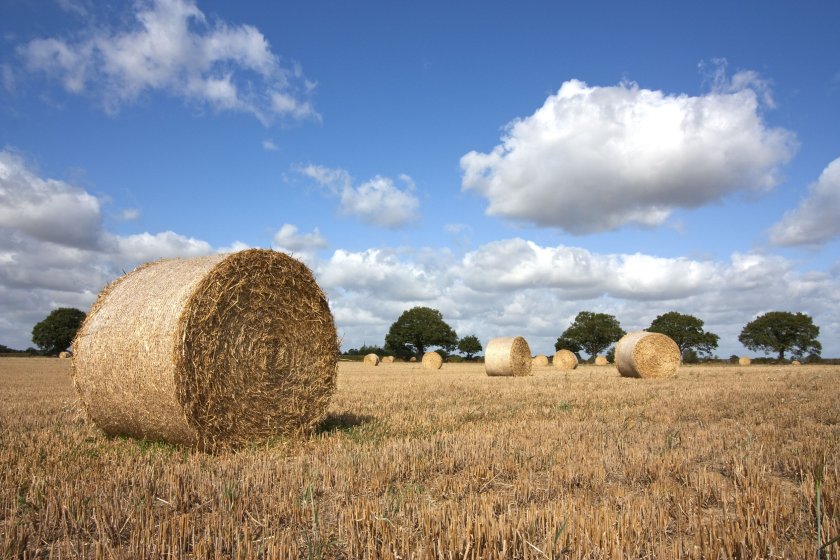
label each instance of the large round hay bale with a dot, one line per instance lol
(796, 363)
(217, 349)
(565, 359)
(507, 356)
(413, 359)
(601, 361)
(64, 355)
(387, 359)
(647, 354)
(371, 360)
(540, 360)
(744, 361)
(432, 360)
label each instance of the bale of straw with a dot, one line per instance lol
(388, 360)
(371, 360)
(540, 360)
(64, 355)
(508, 356)
(744, 361)
(432, 360)
(565, 359)
(601, 361)
(796, 363)
(221, 349)
(647, 354)
(413, 359)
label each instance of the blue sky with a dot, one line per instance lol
(508, 164)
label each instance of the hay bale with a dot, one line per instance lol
(540, 360)
(507, 356)
(744, 361)
(388, 360)
(647, 354)
(371, 360)
(432, 360)
(221, 349)
(413, 359)
(601, 361)
(565, 359)
(796, 363)
(64, 355)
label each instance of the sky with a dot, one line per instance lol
(509, 164)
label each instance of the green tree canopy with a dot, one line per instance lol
(782, 331)
(592, 332)
(470, 346)
(55, 333)
(687, 331)
(418, 329)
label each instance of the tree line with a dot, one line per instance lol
(780, 332)
(420, 328)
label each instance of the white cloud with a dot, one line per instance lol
(269, 146)
(597, 158)
(173, 48)
(129, 214)
(378, 202)
(817, 218)
(47, 209)
(302, 246)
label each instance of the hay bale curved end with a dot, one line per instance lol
(371, 360)
(647, 355)
(601, 361)
(565, 359)
(64, 355)
(432, 360)
(221, 349)
(388, 360)
(507, 356)
(744, 361)
(540, 360)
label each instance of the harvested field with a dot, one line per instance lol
(716, 462)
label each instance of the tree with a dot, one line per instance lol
(418, 329)
(592, 332)
(470, 346)
(782, 331)
(55, 333)
(687, 331)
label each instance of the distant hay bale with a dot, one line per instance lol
(647, 354)
(744, 361)
(540, 360)
(371, 360)
(388, 360)
(796, 363)
(565, 359)
(65, 355)
(508, 356)
(221, 349)
(432, 360)
(413, 359)
(601, 361)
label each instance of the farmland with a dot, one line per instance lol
(717, 462)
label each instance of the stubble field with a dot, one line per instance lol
(718, 462)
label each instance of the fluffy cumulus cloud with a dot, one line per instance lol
(597, 158)
(300, 245)
(54, 252)
(171, 46)
(817, 218)
(380, 201)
